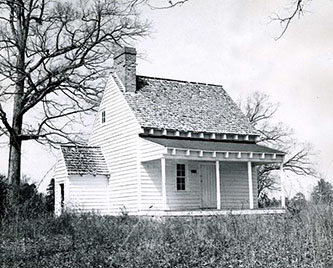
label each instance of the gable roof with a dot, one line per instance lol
(187, 106)
(81, 160)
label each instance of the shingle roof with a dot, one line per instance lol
(222, 146)
(80, 160)
(179, 105)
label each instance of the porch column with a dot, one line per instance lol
(163, 183)
(249, 170)
(218, 184)
(283, 198)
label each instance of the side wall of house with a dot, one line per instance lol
(60, 177)
(151, 185)
(118, 138)
(89, 193)
(235, 186)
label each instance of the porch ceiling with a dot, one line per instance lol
(218, 150)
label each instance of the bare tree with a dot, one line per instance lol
(53, 56)
(298, 160)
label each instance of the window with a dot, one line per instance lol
(62, 195)
(181, 175)
(103, 117)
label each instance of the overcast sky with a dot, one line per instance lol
(232, 43)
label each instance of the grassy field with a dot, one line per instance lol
(303, 239)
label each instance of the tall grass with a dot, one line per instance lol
(304, 239)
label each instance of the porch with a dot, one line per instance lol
(198, 178)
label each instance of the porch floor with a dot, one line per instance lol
(211, 212)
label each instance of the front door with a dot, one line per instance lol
(208, 185)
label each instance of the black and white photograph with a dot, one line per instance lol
(166, 133)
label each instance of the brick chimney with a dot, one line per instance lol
(124, 63)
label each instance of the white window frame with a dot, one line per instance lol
(186, 176)
(103, 117)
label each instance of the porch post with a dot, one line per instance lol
(249, 170)
(218, 184)
(283, 198)
(163, 183)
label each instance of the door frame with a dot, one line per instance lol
(201, 186)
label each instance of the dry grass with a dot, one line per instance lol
(300, 240)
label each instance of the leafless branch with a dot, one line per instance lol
(297, 10)
(299, 158)
(170, 4)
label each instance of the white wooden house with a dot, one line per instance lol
(163, 147)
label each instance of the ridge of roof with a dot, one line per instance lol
(178, 80)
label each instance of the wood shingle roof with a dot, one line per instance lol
(186, 106)
(82, 160)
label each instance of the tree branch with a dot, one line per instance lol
(285, 21)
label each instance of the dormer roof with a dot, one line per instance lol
(186, 106)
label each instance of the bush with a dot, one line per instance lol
(265, 202)
(3, 196)
(29, 203)
(297, 204)
(322, 192)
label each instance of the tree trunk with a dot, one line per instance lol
(14, 162)
(14, 159)
(15, 141)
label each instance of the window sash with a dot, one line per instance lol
(180, 177)
(103, 117)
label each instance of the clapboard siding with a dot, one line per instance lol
(235, 187)
(60, 176)
(151, 185)
(118, 138)
(89, 193)
(188, 199)
(150, 150)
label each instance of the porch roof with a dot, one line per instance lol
(208, 145)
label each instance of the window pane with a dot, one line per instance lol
(103, 117)
(181, 175)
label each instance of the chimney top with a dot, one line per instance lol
(124, 50)
(124, 62)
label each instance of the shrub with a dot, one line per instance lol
(322, 192)
(29, 203)
(3, 196)
(297, 204)
(49, 198)
(264, 201)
